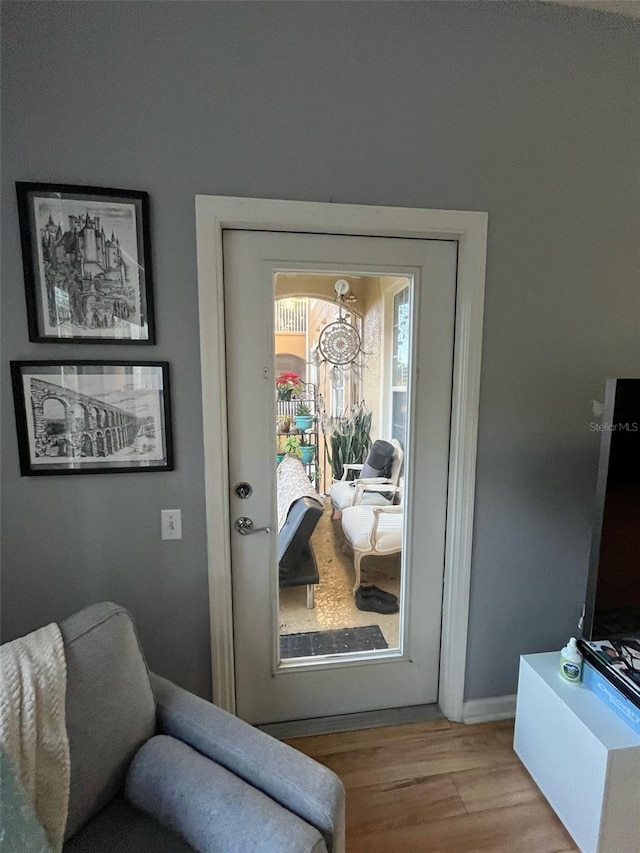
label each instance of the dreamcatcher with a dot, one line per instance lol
(339, 343)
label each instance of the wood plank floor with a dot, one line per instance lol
(438, 787)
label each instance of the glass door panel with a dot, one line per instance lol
(340, 533)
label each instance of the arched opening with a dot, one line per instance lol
(54, 414)
(99, 444)
(86, 446)
(300, 319)
(286, 362)
(305, 307)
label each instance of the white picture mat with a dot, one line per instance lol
(134, 390)
(119, 218)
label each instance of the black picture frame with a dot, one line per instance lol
(92, 417)
(85, 284)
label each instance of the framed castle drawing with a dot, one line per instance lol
(86, 254)
(92, 417)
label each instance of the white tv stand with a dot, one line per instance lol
(584, 759)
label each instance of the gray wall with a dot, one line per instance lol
(527, 111)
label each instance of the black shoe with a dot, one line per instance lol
(380, 593)
(374, 603)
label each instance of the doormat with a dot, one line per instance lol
(360, 639)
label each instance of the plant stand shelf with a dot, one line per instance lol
(287, 409)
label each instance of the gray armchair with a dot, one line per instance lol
(155, 769)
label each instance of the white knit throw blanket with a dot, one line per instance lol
(33, 681)
(293, 483)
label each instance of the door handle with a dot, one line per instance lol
(245, 527)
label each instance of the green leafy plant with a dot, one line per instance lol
(348, 438)
(292, 446)
(316, 476)
(303, 410)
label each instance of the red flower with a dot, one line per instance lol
(289, 382)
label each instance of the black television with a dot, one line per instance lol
(612, 605)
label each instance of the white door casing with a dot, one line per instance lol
(214, 214)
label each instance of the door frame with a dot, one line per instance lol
(214, 215)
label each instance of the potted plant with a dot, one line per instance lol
(288, 384)
(315, 477)
(307, 453)
(307, 450)
(292, 446)
(303, 417)
(348, 438)
(283, 425)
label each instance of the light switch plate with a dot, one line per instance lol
(171, 523)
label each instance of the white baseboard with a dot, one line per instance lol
(493, 708)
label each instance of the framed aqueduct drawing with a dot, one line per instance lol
(90, 417)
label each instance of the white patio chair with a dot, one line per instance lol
(372, 530)
(342, 492)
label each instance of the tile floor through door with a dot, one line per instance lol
(334, 602)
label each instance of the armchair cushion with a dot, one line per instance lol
(110, 708)
(357, 526)
(343, 494)
(210, 807)
(293, 780)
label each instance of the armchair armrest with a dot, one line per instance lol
(298, 783)
(382, 486)
(377, 511)
(376, 486)
(212, 809)
(351, 466)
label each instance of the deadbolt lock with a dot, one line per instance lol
(244, 490)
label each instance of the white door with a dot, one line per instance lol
(269, 688)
